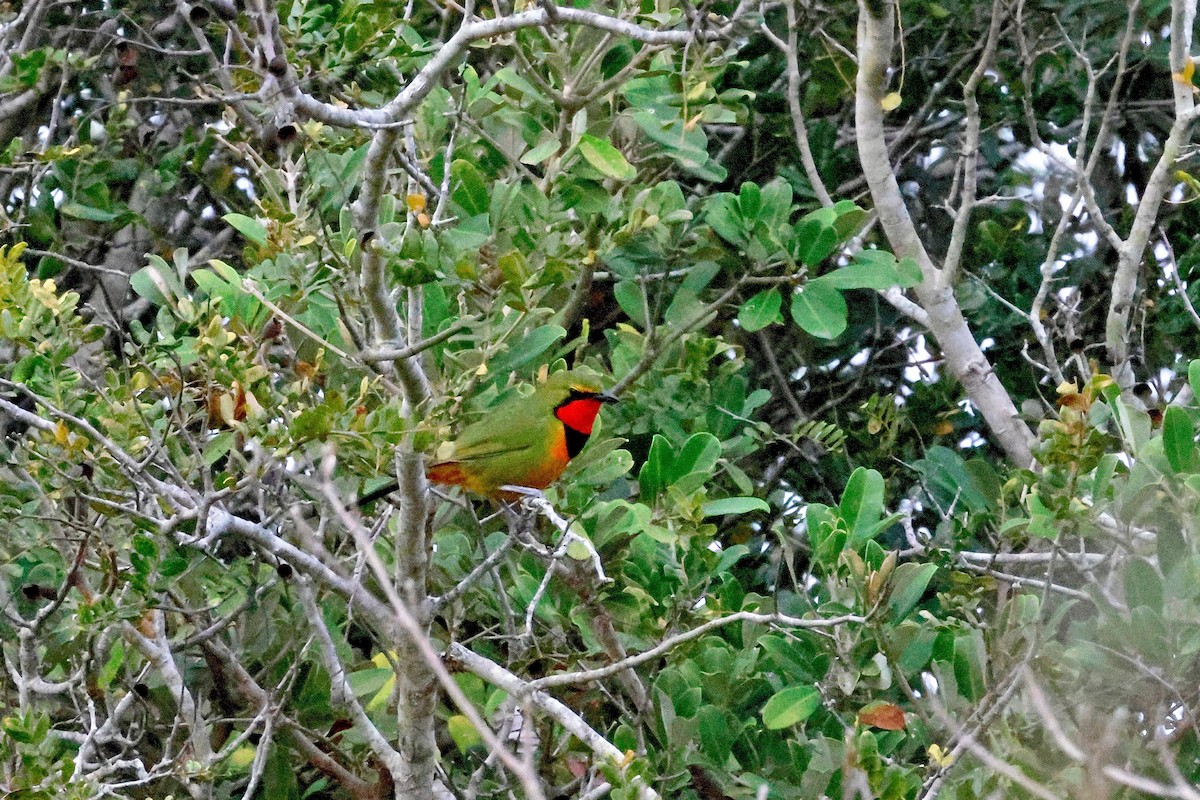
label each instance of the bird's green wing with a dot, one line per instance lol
(507, 430)
(483, 450)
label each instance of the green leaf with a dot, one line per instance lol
(530, 346)
(540, 153)
(699, 454)
(652, 478)
(80, 211)
(1178, 438)
(368, 681)
(1041, 519)
(871, 269)
(218, 446)
(225, 271)
(145, 546)
(790, 706)
(116, 658)
(761, 310)
(733, 505)
(605, 158)
(909, 582)
(969, 666)
(279, 779)
(617, 57)
(815, 241)
(776, 203)
(919, 647)
(249, 227)
(910, 272)
(729, 557)
(510, 77)
(1143, 586)
(1106, 468)
(1194, 376)
(820, 310)
(715, 728)
(28, 366)
(463, 733)
(470, 192)
(172, 566)
(949, 481)
(750, 201)
(1172, 548)
(849, 220)
(722, 214)
(862, 505)
(1132, 423)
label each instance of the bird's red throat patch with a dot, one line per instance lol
(579, 414)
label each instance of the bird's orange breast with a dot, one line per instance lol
(551, 467)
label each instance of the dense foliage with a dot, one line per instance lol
(900, 498)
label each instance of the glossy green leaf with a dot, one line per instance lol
(249, 227)
(815, 242)
(1133, 424)
(632, 301)
(606, 159)
(947, 478)
(909, 582)
(776, 203)
(790, 706)
(368, 681)
(1178, 438)
(870, 269)
(653, 476)
(699, 454)
(149, 282)
(730, 556)
(761, 310)
(116, 657)
(279, 778)
(173, 566)
(538, 154)
(750, 201)
(715, 729)
(529, 347)
(723, 214)
(733, 505)
(820, 309)
(469, 189)
(862, 504)
(970, 671)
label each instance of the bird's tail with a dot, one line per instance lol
(377, 494)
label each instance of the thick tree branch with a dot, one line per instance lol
(968, 364)
(427, 78)
(1132, 250)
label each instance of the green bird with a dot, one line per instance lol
(525, 441)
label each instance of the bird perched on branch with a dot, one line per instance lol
(525, 441)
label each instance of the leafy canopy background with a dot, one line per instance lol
(900, 498)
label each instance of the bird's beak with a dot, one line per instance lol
(605, 397)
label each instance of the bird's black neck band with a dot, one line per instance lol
(576, 439)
